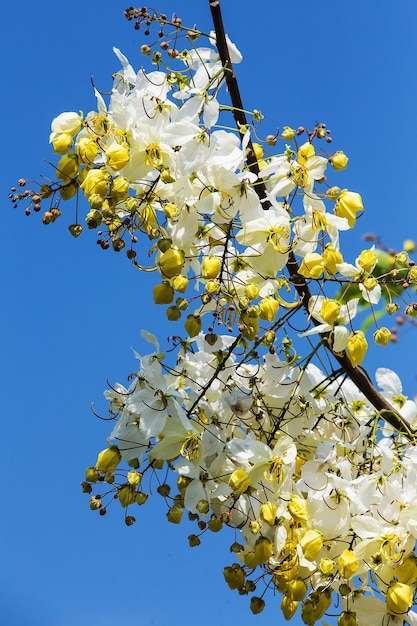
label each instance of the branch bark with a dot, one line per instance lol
(356, 374)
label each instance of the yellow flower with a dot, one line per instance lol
(356, 347)
(348, 204)
(311, 543)
(348, 563)
(331, 257)
(210, 267)
(171, 262)
(339, 161)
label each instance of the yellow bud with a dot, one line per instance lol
(163, 293)
(239, 481)
(367, 260)
(288, 607)
(412, 276)
(171, 262)
(170, 209)
(87, 150)
(347, 618)
(347, 563)
(288, 133)
(327, 566)
(399, 599)
(96, 183)
(268, 513)
(407, 571)
(134, 478)
(312, 265)
(234, 576)
(257, 605)
(108, 459)
(175, 514)
(382, 336)
(210, 267)
(193, 325)
(263, 550)
(333, 193)
(305, 152)
(127, 495)
(330, 311)
(339, 161)
(297, 508)
(212, 287)
(370, 283)
(296, 589)
(119, 188)
(409, 245)
(401, 258)
(311, 543)
(62, 143)
(252, 291)
(331, 257)
(180, 283)
(356, 347)
(348, 204)
(268, 308)
(67, 166)
(117, 156)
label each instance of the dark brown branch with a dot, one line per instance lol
(357, 375)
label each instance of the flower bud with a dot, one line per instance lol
(75, 230)
(312, 265)
(141, 498)
(91, 475)
(173, 314)
(348, 204)
(412, 276)
(67, 166)
(268, 308)
(127, 495)
(409, 245)
(86, 487)
(347, 618)
(406, 572)
(288, 133)
(268, 513)
(382, 336)
(296, 589)
(108, 459)
(339, 161)
(288, 607)
(95, 503)
(367, 260)
(239, 481)
(175, 514)
(252, 291)
(347, 563)
(193, 541)
(130, 520)
(87, 150)
(117, 156)
(297, 507)
(257, 605)
(392, 307)
(311, 543)
(171, 262)
(399, 599)
(210, 267)
(356, 347)
(330, 311)
(234, 576)
(327, 566)
(333, 193)
(163, 293)
(212, 287)
(263, 550)
(96, 182)
(331, 258)
(180, 283)
(61, 142)
(215, 524)
(193, 325)
(134, 478)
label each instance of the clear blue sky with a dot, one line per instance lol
(71, 312)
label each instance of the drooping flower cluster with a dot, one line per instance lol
(314, 472)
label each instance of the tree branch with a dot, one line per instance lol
(357, 375)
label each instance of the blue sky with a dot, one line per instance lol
(71, 312)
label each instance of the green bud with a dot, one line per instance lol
(127, 495)
(91, 475)
(257, 605)
(175, 514)
(193, 325)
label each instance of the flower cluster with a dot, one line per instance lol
(316, 469)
